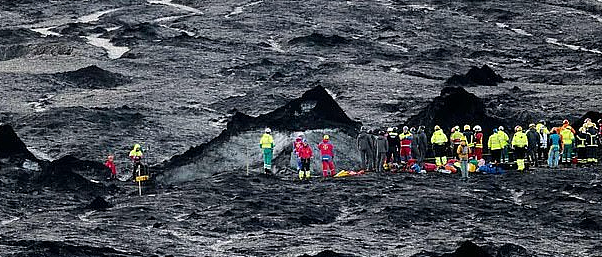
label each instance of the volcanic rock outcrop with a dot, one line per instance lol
(237, 145)
(93, 77)
(476, 76)
(317, 39)
(455, 107)
(11, 146)
(65, 174)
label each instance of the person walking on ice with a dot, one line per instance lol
(267, 148)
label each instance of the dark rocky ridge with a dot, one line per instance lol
(93, 77)
(455, 107)
(476, 76)
(11, 145)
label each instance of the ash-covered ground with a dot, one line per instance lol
(194, 82)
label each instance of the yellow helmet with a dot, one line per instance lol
(437, 127)
(136, 146)
(326, 137)
(466, 127)
(582, 129)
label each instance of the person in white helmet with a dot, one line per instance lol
(267, 147)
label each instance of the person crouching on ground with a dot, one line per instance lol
(327, 153)
(464, 153)
(111, 165)
(305, 153)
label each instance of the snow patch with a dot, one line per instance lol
(401, 48)
(46, 32)
(6, 222)
(30, 165)
(332, 94)
(179, 6)
(240, 9)
(555, 41)
(93, 17)
(522, 32)
(275, 46)
(112, 50)
(422, 7)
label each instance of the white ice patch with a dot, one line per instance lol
(6, 222)
(422, 7)
(240, 9)
(46, 32)
(93, 17)
(179, 6)
(522, 32)
(189, 33)
(84, 217)
(501, 25)
(332, 94)
(401, 48)
(113, 51)
(170, 18)
(555, 41)
(30, 165)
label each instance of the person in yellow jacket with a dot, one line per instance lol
(520, 142)
(495, 146)
(505, 140)
(455, 138)
(439, 141)
(267, 147)
(136, 157)
(568, 136)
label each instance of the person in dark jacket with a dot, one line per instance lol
(422, 144)
(532, 148)
(393, 155)
(382, 149)
(365, 148)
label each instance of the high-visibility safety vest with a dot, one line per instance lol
(456, 137)
(438, 137)
(567, 136)
(494, 142)
(503, 138)
(267, 141)
(520, 139)
(406, 139)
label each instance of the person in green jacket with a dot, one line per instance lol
(504, 139)
(567, 141)
(520, 142)
(267, 147)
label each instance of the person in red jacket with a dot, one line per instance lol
(327, 153)
(478, 142)
(305, 154)
(111, 165)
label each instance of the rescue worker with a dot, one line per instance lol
(463, 152)
(592, 146)
(136, 158)
(505, 140)
(555, 144)
(543, 141)
(111, 165)
(365, 148)
(393, 141)
(455, 137)
(405, 140)
(297, 144)
(439, 141)
(520, 142)
(306, 154)
(414, 146)
(533, 147)
(494, 143)
(470, 139)
(382, 149)
(478, 142)
(421, 142)
(568, 136)
(327, 153)
(581, 138)
(266, 143)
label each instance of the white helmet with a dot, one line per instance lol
(477, 128)
(268, 131)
